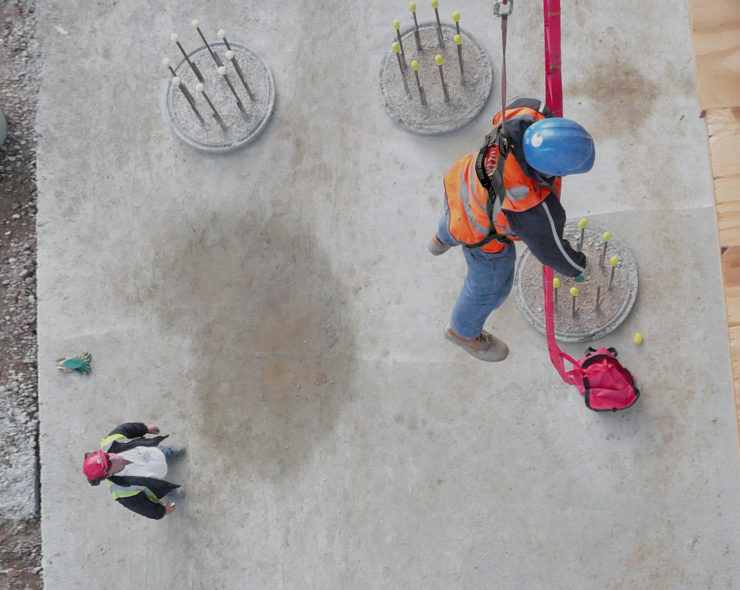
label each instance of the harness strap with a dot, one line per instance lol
(494, 184)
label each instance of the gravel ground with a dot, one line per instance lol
(20, 534)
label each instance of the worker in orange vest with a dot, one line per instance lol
(491, 201)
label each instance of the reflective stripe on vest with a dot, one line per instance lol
(118, 491)
(466, 200)
(109, 440)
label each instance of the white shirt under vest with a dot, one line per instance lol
(145, 462)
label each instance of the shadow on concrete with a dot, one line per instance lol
(267, 326)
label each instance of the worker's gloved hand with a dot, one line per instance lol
(79, 363)
(580, 278)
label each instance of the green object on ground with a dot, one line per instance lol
(79, 363)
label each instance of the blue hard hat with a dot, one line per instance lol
(558, 146)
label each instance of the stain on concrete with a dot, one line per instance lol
(268, 328)
(616, 84)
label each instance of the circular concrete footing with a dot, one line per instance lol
(466, 95)
(241, 127)
(589, 322)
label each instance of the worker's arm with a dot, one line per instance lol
(130, 429)
(541, 229)
(140, 504)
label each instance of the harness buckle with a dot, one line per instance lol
(503, 8)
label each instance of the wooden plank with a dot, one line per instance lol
(723, 126)
(727, 204)
(716, 34)
(731, 279)
(735, 359)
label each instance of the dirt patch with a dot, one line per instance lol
(20, 535)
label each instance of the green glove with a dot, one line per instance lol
(580, 278)
(79, 363)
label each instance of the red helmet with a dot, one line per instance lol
(95, 465)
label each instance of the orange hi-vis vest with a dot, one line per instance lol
(467, 198)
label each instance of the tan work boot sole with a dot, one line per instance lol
(485, 348)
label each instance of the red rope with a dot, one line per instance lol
(554, 100)
(553, 81)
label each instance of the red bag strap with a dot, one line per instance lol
(557, 356)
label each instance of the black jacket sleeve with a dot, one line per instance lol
(144, 506)
(130, 429)
(541, 229)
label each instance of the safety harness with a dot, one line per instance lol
(494, 184)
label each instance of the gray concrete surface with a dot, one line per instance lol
(276, 311)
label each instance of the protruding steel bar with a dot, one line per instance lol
(397, 49)
(439, 60)
(221, 34)
(458, 42)
(456, 18)
(195, 23)
(440, 37)
(412, 8)
(230, 55)
(614, 261)
(175, 39)
(607, 236)
(199, 88)
(422, 94)
(574, 294)
(222, 72)
(189, 97)
(582, 224)
(397, 26)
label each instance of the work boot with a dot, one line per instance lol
(485, 347)
(178, 495)
(177, 451)
(436, 247)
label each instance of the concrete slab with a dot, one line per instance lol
(276, 310)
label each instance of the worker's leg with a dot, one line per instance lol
(171, 452)
(487, 285)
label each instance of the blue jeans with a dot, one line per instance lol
(167, 452)
(486, 287)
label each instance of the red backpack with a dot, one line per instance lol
(604, 383)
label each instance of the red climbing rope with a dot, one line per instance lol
(553, 81)
(554, 100)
